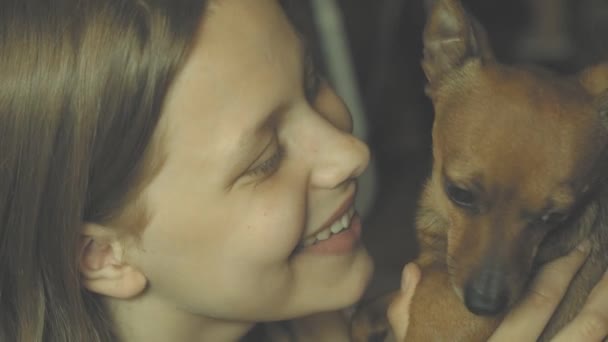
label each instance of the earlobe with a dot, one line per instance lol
(103, 267)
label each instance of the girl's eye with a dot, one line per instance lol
(269, 166)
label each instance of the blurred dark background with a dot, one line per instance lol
(384, 37)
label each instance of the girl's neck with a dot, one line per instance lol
(145, 319)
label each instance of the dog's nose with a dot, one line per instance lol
(486, 294)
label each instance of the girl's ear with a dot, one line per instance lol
(103, 267)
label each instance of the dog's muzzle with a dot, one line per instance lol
(486, 293)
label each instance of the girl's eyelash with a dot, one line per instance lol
(269, 165)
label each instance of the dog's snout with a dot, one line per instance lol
(486, 294)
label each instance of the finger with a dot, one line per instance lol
(591, 324)
(528, 319)
(398, 310)
(399, 306)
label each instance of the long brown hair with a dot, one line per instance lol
(81, 87)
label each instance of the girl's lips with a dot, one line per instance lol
(341, 243)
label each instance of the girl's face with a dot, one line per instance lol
(260, 160)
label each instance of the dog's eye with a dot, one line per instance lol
(553, 218)
(460, 196)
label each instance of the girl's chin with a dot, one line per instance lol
(317, 295)
(327, 282)
(350, 284)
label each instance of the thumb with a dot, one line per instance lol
(399, 309)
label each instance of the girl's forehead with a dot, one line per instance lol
(246, 61)
(238, 38)
(246, 24)
(243, 49)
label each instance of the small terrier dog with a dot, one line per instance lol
(519, 157)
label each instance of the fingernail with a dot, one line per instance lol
(584, 246)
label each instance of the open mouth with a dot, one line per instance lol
(340, 237)
(342, 223)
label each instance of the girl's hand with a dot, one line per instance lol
(527, 320)
(398, 310)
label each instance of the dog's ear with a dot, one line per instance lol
(451, 37)
(595, 81)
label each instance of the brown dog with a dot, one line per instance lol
(519, 157)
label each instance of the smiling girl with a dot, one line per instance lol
(170, 171)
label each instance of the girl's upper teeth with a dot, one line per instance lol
(345, 220)
(323, 235)
(339, 225)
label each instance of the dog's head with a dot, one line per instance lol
(514, 151)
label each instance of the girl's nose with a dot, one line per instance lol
(339, 159)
